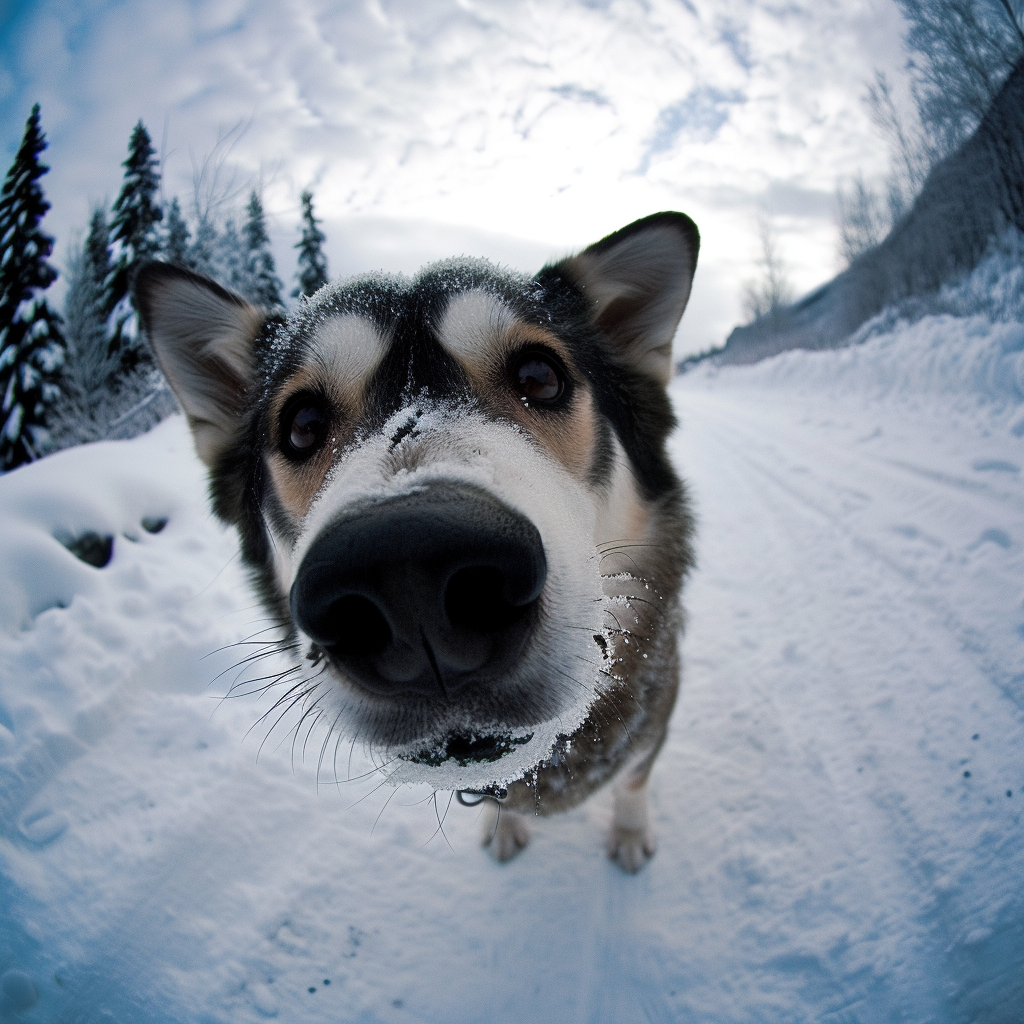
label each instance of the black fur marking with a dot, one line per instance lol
(668, 218)
(407, 429)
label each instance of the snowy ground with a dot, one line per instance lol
(839, 806)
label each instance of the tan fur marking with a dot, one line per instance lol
(569, 438)
(297, 486)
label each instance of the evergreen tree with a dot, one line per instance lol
(31, 346)
(312, 272)
(136, 211)
(263, 284)
(202, 253)
(89, 365)
(176, 247)
(135, 233)
(229, 261)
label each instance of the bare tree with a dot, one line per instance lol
(216, 182)
(911, 154)
(863, 219)
(959, 53)
(772, 289)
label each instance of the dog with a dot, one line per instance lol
(454, 496)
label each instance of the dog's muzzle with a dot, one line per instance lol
(424, 593)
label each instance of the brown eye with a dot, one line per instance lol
(539, 379)
(306, 423)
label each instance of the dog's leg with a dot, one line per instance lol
(631, 842)
(505, 833)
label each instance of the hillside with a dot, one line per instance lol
(967, 203)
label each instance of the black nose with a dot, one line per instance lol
(423, 593)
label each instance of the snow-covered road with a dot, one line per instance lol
(853, 644)
(840, 806)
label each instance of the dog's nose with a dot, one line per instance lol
(423, 593)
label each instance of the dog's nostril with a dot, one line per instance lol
(357, 627)
(475, 599)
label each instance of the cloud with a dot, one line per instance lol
(698, 117)
(538, 127)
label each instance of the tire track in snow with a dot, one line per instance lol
(746, 435)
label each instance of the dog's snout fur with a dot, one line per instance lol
(425, 593)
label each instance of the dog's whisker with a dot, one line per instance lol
(440, 821)
(323, 747)
(287, 699)
(275, 679)
(240, 678)
(246, 663)
(384, 782)
(250, 639)
(306, 713)
(381, 811)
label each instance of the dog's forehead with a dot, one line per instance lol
(391, 335)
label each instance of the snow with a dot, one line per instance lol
(839, 806)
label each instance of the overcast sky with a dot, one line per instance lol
(511, 129)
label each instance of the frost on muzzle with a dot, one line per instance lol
(456, 602)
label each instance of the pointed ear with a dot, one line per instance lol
(638, 282)
(202, 337)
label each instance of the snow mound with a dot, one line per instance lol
(966, 359)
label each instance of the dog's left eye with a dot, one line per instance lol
(305, 426)
(538, 378)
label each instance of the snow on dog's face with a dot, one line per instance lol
(424, 475)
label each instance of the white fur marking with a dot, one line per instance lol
(349, 348)
(473, 323)
(618, 516)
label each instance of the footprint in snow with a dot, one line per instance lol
(43, 827)
(993, 535)
(994, 466)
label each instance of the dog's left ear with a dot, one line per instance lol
(638, 282)
(202, 336)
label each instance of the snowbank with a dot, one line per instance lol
(965, 360)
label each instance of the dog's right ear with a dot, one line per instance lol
(202, 337)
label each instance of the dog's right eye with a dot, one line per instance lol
(305, 426)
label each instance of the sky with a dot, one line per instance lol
(510, 129)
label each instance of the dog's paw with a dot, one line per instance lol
(505, 834)
(631, 842)
(631, 848)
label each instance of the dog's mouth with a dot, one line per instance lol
(466, 750)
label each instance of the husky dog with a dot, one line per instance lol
(455, 497)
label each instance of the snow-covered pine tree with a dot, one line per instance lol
(89, 369)
(135, 233)
(202, 253)
(31, 346)
(176, 247)
(263, 286)
(229, 260)
(312, 273)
